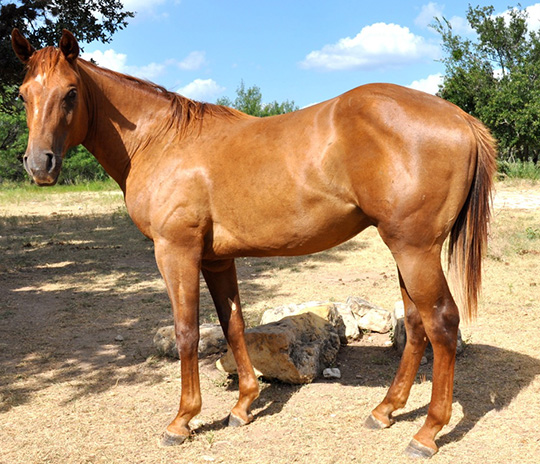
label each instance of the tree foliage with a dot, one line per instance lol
(13, 139)
(250, 102)
(496, 77)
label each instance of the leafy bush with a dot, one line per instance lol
(80, 166)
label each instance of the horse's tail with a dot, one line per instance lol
(468, 237)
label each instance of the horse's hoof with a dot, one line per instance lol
(373, 423)
(172, 439)
(417, 450)
(235, 421)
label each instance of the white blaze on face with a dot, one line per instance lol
(40, 79)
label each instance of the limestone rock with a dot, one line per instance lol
(348, 330)
(295, 349)
(165, 342)
(368, 316)
(327, 311)
(339, 315)
(211, 340)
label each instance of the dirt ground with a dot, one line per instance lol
(81, 298)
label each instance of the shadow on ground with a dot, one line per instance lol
(81, 296)
(76, 301)
(477, 389)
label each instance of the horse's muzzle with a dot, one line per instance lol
(44, 167)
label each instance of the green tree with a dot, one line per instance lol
(13, 139)
(496, 77)
(250, 102)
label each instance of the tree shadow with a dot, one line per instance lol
(488, 379)
(81, 298)
(70, 285)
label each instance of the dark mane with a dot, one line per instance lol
(185, 113)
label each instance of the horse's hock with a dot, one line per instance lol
(400, 334)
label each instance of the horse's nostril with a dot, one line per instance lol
(25, 163)
(51, 162)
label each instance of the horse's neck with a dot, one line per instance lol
(122, 121)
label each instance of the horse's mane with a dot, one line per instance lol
(184, 111)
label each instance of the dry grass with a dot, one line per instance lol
(75, 274)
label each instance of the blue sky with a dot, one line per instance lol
(306, 51)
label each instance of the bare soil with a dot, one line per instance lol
(81, 298)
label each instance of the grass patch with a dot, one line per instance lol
(519, 170)
(30, 187)
(514, 233)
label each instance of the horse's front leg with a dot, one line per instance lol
(180, 267)
(221, 279)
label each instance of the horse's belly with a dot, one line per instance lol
(271, 234)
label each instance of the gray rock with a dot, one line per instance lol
(212, 340)
(338, 314)
(332, 373)
(295, 349)
(368, 316)
(165, 342)
(348, 330)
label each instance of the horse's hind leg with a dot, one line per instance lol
(426, 286)
(222, 283)
(397, 395)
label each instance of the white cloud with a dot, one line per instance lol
(110, 59)
(377, 46)
(195, 60)
(430, 84)
(141, 5)
(534, 17)
(461, 25)
(202, 89)
(428, 13)
(150, 71)
(533, 20)
(433, 10)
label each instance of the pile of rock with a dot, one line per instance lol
(297, 343)
(294, 343)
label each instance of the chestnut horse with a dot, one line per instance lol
(208, 184)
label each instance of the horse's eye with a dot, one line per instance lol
(72, 95)
(21, 98)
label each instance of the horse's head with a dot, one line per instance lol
(56, 111)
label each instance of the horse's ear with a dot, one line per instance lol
(21, 46)
(69, 46)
